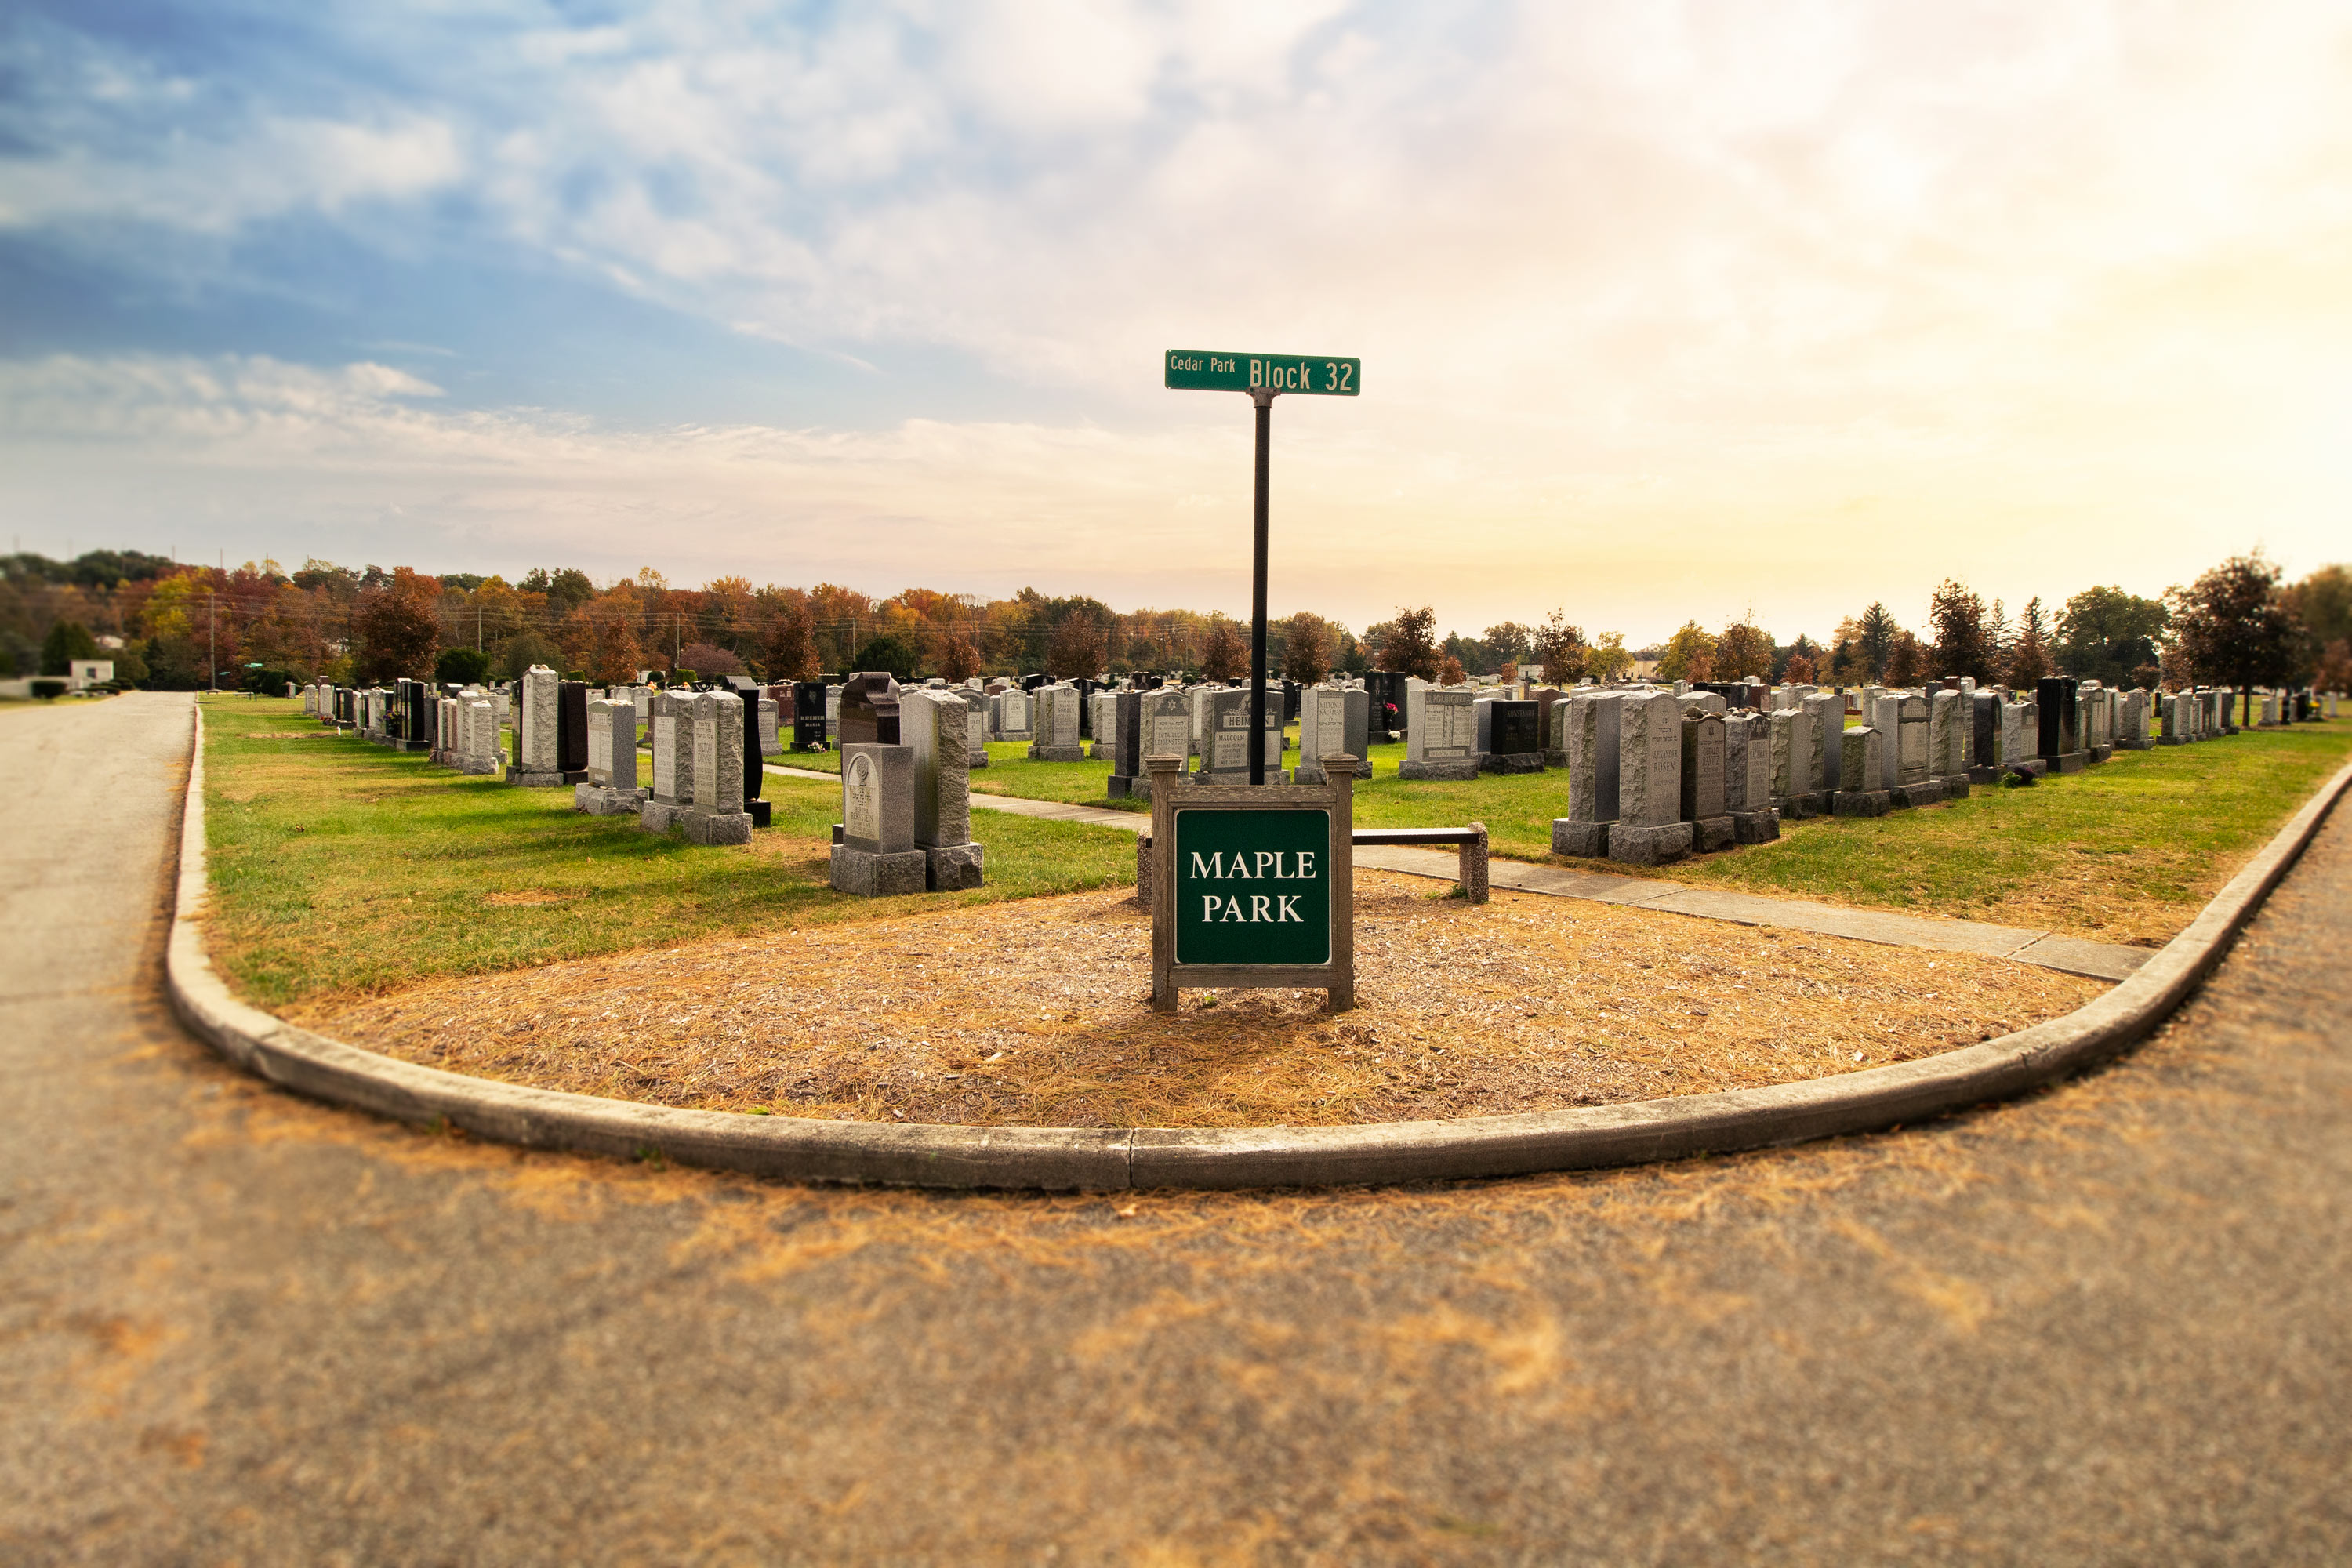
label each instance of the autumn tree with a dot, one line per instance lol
(1743, 652)
(399, 630)
(1957, 618)
(1875, 632)
(611, 651)
(1688, 648)
(1078, 647)
(1451, 673)
(791, 651)
(1609, 658)
(2234, 625)
(1306, 648)
(707, 660)
(1561, 649)
(953, 655)
(1906, 661)
(2105, 634)
(1410, 647)
(1799, 670)
(2029, 651)
(1224, 655)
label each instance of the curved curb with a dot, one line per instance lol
(1102, 1158)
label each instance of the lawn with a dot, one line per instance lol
(339, 867)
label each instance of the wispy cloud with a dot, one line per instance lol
(1817, 302)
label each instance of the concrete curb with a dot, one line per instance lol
(1102, 1158)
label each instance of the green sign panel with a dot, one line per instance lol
(1324, 375)
(1253, 887)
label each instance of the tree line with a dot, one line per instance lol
(171, 625)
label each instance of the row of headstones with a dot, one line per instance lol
(1653, 777)
(457, 725)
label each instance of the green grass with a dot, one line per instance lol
(2124, 852)
(338, 867)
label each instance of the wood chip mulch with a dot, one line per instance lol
(1037, 1013)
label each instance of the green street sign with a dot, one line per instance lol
(1253, 887)
(1323, 375)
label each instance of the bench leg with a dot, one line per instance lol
(1473, 863)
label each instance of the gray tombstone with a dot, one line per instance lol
(1703, 782)
(938, 729)
(1861, 771)
(1748, 778)
(1793, 762)
(536, 765)
(610, 789)
(1649, 829)
(715, 814)
(1590, 728)
(1947, 762)
(1058, 727)
(877, 855)
(672, 789)
(1441, 733)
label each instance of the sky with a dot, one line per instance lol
(1666, 310)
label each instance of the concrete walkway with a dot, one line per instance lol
(2071, 955)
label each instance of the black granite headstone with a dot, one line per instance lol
(571, 730)
(2054, 696)
(1127, 745)
(1514, 730)
(1386, 688)
(808, 715)
(869, 710)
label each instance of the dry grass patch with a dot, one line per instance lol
(1039, 1014)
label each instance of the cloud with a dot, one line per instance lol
(1801, 305)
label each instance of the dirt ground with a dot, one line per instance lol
(1038, 1013)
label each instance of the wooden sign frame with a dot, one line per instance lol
(1336, 979)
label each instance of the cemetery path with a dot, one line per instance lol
(2103, 1324)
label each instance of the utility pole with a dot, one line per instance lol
(211, 627)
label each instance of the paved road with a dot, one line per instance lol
(2106, 1325)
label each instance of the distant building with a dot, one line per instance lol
(85, 673)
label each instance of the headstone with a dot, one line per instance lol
(1509, 736)
(770, 710)
(611, 787)
(869, 710)
(2060, 743)
(1703, 781)
(538, 763)
(672, 791)
(1748, 778)
(938, 727)
(1861, 769)
(1384, 690)
(1792, 763)
(571, 730)
(715, 812)
(2134, 729)
(975, 705)
(1828, 710)
(1333, 719)
(877, 855)
(1441, 733)
(1012, 717)
(1058, 714)
(1946, 763)
(480, 733)
(1649, 829)
(832, 711)
(1985, 752)
(1589, 724)
(1153, 724)
(1224, 716)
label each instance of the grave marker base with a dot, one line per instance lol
(1587, 840)
(716, 827)
(1454, 771)
(522, 780)
(1657, 846)
(872, 876)
(602, 800)
(2066, 762)
(2135, 745)
(1709, 833)
(1520, 763)
(1755, 827)
(1862, 803)
(1927, 792)
(953, 867)
(1039, 753)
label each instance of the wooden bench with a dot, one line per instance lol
(1471, 862)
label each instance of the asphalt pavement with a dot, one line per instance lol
(2107, 1324)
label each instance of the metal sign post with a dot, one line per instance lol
(1264, 377)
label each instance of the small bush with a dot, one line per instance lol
(48, 690)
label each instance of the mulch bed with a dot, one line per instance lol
(1038, 1013)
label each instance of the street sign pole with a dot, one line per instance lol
(1264, 398)
(1264, 377)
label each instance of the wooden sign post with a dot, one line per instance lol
(1254, 885)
